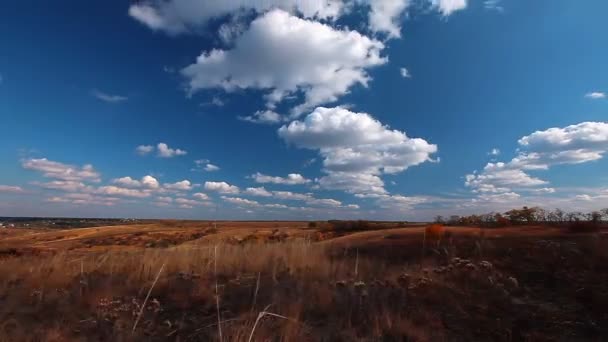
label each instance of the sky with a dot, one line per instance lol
(303, 110)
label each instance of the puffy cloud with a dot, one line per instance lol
(494, 152)
(261, 192)
(118, 191)
(211, 167)
(143, 150)
(574, 144)
(147, 182)
(67, 186)
(57, 170)
(596, 95)
(201, 196)
(500, 177)
(240, 201)
(84, 199)
(405, 73)
(325, 202)
(221, 187)
(164, 199)
(11, 188)
(190, 202)
(205, 165)
(385, 16)
(356, 148)
(447, 7)
(497, 198)
(178, 16)
(353, 182)
(108, 97)
(586, 136)
(184, 185)
(544, 190)
(263, 117)
(285, 54)
(288, 195)
(291, 179)
(164, 151)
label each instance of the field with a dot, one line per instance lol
(295, 281)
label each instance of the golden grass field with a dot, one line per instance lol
(286, 281)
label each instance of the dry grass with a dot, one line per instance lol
(368, 287)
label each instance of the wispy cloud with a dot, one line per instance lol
(10, 188)
(596, 95)
(109, 98)
(405, 73)
(493, 5)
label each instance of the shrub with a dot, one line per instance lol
(434, 232)
(349, 225)
(583, 226)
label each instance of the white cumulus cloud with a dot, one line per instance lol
(284, 55)
(356, 148)
(291, 179)
(221, 187)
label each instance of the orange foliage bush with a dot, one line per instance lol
(434, 232)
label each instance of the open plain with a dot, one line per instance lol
(300, 281)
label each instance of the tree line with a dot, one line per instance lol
(526, 216)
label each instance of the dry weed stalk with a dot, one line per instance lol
(147, 296)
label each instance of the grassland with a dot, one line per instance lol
(291, 281)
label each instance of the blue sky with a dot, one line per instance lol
(285, 109)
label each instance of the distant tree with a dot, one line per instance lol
(439, 219)
(453, 220)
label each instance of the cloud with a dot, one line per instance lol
(143, 150)
(405, 73)
(221, 187)
(291, 179)
(83, 199)
(164, 199)
(11, 189)
(179, 16)
(119, 191)
(67, 186)
(263, 117)
(356, 148)
(240, 201)
(544, 190)
(288, 195)
(385, 16)
(184, 202)
(494, 5)
(215, 101)
(211, 168)
(596, 95)
(184, 185)
(204, 165)
(164, 151)
(108, 98)
(584, 137)
(57, 170)
(201, 196)
(574, 144)
(148, 182)
(494, 152)
(447, 7)
(285, 55)
(261, 191)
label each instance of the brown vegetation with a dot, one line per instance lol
(274, 281)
